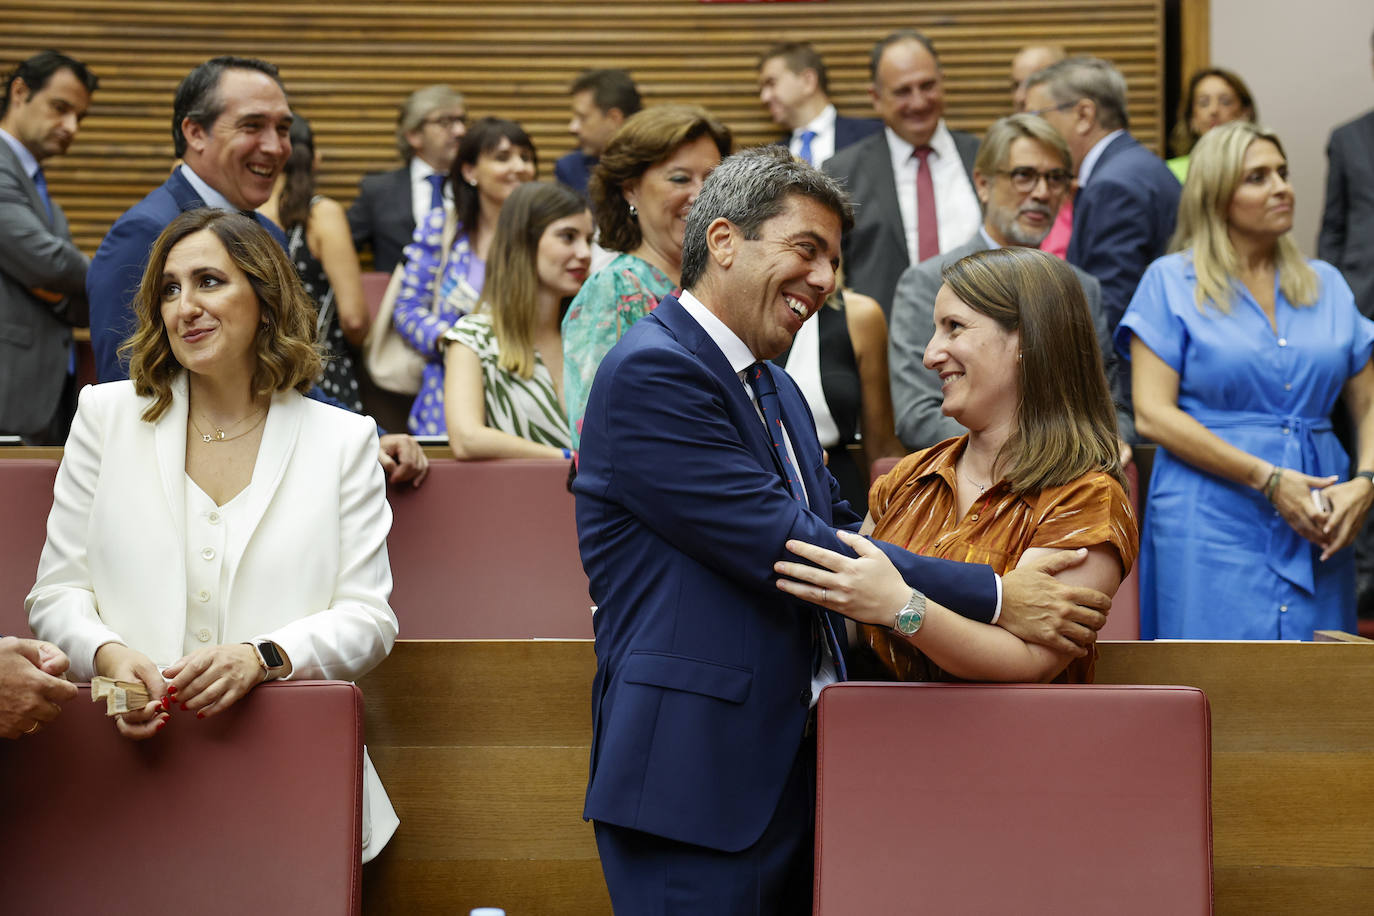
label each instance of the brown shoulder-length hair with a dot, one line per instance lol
(512, 283)
(643, 140)
(286, 352)
(1183, 138)
(1065, 422)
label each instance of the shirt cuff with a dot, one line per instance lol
(997, 611)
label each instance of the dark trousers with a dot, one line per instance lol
(649, 875)
(54, 432)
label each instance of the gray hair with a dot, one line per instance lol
(1087, 78)
(418, 106)
(749, 189)
(1002, 133)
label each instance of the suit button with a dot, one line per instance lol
(805, 697)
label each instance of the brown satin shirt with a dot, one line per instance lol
(915, 506)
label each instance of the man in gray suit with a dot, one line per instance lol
(1023, 173)
(42, 274)
(911, 185)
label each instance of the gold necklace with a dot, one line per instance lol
(219, 433)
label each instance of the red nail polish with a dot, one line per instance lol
(200, 715)
(161, 722)
(172, 688)
(183, 706)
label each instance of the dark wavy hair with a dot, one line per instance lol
(484, 136)
(299, 172)
(287, 356)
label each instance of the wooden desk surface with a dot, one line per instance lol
(483, 746)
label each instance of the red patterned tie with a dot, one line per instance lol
(927, 225)
(761, 380)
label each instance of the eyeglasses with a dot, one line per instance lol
(1040, 112)
(446, 121)
(1025, 178)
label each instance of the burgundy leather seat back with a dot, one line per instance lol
(25, 500)
(1026, 799)
(258, 809)
(488, 550)
(375, 283)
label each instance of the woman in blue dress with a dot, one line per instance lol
(1239, 349)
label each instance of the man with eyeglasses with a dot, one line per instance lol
(1127, 198)
(389, 204)
(1022, 176)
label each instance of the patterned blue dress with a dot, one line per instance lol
(423, 316)
(1217, 560)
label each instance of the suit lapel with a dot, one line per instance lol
(280, 433)
(170, 437)
(8, 160)
(878, 164)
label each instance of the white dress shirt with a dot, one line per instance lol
(956, 205)
(208, 194)
(823, 144)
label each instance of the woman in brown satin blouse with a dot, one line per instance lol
(1037, 472)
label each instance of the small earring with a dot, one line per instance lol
(472, 184)
(634, 214)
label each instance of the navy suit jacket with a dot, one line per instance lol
(875, 252)
(383, 216)
(118, 265)
(1347, 231)
(575, 170)
(703, 674)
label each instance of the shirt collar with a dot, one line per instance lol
(421, 170)
(736, 352)
(987, 239)
(820, 123)
(941, 144)
(1085, 170)
(26, 158)
(208, 194)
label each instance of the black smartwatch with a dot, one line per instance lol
(269, 656)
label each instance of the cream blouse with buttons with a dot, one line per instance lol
(210, 537)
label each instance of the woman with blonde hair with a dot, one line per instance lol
(504, 363)
(1239, 348)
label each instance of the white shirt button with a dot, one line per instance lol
(203, 634)
(1287, 386)
(1285, 430)
(202, 595)
(213, 517)
(1283, 341)
(208, 553)
(1283, 609)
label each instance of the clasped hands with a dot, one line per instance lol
(868, 588)
(206, 682)
(1330, 521)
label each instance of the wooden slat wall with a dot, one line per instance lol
(349, 63)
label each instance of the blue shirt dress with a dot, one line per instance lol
(1216, 559)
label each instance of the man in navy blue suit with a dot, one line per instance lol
(795, 88)
(699, 461)
(229, 127)
(1127, 201)
(601, 101)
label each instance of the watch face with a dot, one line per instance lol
(909, 621)
(270, 655)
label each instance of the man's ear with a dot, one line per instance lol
(981, 186)
(616, 115)
(721, 240)
(19, 91)
(194, 134)
(1085, 115)
(873, 95)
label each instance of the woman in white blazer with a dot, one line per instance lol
(211, 527)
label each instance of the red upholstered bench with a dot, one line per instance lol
(258, 809)
(26, 495)
(1026, 799)
(488, 550)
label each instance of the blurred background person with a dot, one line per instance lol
(446, 263)
(321, 249)
(1214, 96)
(1027, 61)
(601, 101)
(1037, 471)
(391, 204)
(641, 192)
(795, 88)
(839, 361)
(504, 362)
(261, 547)
(1239, 348)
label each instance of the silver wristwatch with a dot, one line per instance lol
(912, 615)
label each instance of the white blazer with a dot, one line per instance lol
(313, 574)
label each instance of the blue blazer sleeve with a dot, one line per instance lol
(111, 284)
(672, 453)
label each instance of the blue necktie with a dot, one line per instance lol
(804, 151)
(41, 184)
(436, 181)
(766, 390)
